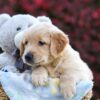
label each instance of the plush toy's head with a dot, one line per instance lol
(10, 27)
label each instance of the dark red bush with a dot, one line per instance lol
(80, 19)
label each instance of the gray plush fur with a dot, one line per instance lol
(9, 28)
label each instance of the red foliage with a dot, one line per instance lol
(80, 19)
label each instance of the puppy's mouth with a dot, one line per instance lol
(31, 60)
(34, 63)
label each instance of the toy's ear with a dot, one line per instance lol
(3, 18)
(44, 19)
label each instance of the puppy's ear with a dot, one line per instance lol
(22, 47)
(58, 43)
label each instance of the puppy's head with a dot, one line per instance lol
(42, 44)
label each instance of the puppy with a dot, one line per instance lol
(47, 50)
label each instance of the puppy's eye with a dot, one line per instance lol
(41, 43)
(26, 42)
(18, 28)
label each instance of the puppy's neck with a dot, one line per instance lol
(67, 55)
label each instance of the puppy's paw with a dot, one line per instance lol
(40, 79)
(68, 90)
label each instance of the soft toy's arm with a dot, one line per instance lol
(6, 59)
(7, 63)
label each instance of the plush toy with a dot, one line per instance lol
(9, 27)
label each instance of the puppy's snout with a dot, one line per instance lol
(29, 57)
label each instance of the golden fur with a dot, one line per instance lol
(54, 57)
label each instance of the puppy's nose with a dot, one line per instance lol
(29, 57)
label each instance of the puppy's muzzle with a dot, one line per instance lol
(29, 57)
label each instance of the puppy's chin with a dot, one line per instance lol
(34, 64)
(36, 61)
(31, 64)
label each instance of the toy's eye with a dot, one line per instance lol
(18, 28)
(41, 43)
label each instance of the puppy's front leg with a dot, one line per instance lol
(68, 86)
(39, 76)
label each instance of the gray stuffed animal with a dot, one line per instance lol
(9, 27)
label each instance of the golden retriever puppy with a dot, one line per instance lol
(47, 50)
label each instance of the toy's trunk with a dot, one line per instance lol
(3, 95)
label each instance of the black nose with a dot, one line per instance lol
(29, 57)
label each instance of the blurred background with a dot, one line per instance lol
(80, 19)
